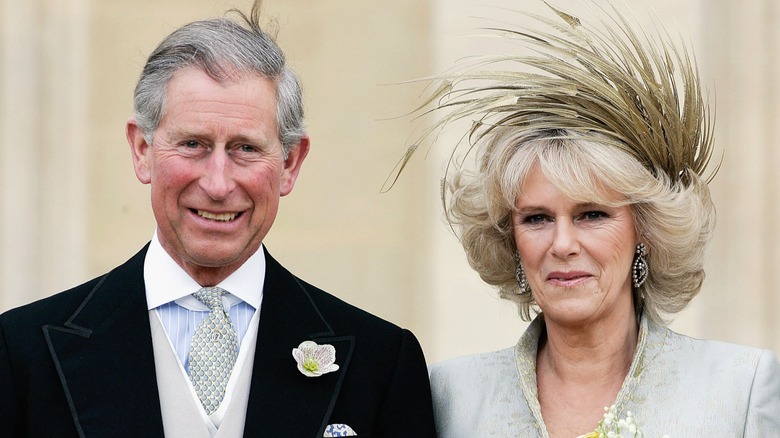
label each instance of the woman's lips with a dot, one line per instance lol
(568, 278)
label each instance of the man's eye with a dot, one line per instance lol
(191, 148)
(247, 148)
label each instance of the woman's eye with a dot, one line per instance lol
(594, 215)
(535, 219)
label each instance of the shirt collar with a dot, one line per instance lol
(166, 281)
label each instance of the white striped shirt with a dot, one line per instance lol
(180, 320)
(169, 291)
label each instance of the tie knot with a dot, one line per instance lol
(211, 297)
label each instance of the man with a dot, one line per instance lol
(202, 333)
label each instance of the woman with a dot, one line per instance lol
(588, 207)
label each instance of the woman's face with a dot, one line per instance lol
(577, 256)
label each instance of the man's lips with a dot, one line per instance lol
(219, 217)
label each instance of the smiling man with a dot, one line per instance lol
(217, 169)
(202, 333)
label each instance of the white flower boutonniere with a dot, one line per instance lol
(611, 426)
(315, 360)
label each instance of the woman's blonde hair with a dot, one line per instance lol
(602, 110)
(673, 219)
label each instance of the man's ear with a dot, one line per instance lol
(140, 150)
(292, 165)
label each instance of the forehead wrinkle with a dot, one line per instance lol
(232, 108)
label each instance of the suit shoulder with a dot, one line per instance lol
(473, 368)
(473, 395)
(58, 307)
(708, 362)
(51, 308)
(378, 336)
(713, 350)
(335, 309)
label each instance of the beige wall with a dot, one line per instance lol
(72, 207)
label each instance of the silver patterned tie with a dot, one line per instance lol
(213, 351)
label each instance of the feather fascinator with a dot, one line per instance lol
(642, 94)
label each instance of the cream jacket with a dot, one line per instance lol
(677, 386)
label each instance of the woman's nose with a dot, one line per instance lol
(565, 243)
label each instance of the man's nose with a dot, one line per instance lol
(217, 179)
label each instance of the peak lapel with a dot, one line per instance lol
(282, 401)
(103, 355)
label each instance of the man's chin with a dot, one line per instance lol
(219, 260)
(217, 255)
(199, 253)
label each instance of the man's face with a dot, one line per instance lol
(216, 170)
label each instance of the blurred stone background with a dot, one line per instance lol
(73, 209)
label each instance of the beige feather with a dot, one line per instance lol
(642, 93)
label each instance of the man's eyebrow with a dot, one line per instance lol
(192, 133)
(182, 132)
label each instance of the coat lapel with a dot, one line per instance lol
(106, 348)
(282, 401)
(104, 357)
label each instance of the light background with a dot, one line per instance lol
(72, 207)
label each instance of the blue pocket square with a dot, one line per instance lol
(338, 430)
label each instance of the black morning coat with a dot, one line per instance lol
(80, 364)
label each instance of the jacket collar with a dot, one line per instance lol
(104, 358)
(105, 347)
(282, 401)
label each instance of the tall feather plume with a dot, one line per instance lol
(643, 94)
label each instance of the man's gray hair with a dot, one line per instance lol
(226, 50)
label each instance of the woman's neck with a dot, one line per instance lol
(580, 371)
(603, 349)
